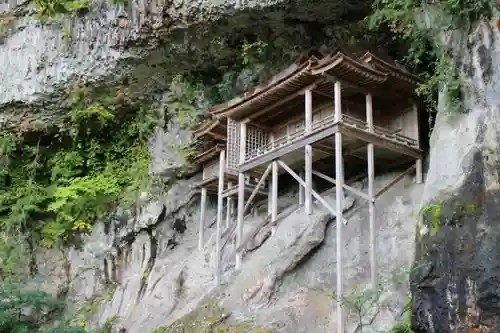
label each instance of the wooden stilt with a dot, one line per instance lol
(371, 189)
(269, 197)
(303, 184)
(338, 108)
(346, 187)
(339, 191)
(274, 191)
(371, 212)
(229, 202)
(308, 171)
(241, 193)
(257, 188)
(241, 207)
(419, 178)
(308, 153)
(419, 172)
(219, 217)
(339, 200)
(203, 207)
(301, 189)
(394, 181)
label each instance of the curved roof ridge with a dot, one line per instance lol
(393, 67)
(280, 78)
(331, 61)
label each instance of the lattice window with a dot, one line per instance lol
(256, 143)
(233, 144)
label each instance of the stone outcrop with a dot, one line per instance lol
(147, 273)
(143, 45)
(455, 278)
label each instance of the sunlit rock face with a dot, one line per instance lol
(456, 282)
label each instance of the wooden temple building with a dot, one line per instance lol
(337, 108)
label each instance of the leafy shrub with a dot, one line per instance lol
(57, 184)
(407, 19)
(29, 311)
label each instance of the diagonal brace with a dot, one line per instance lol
(314, 193)
(257, 188)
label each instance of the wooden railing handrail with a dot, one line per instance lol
(330, 120)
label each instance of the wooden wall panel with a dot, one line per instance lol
(211, 169)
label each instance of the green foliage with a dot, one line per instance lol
(413, 22)
(52, 8)
(209, 318)
(26, 311)
(252, 53)
(434, 213)
(57, 186)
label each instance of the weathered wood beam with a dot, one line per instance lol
(285, 100)
(347, 187)
(339, 201)
(229, 205)
(314, 193)
(257, 188)
(241, 192)
(218, 136)
(371, 203)
(203, 207)
(222, 164)
(306, 140)
(379, 141)
(393, 182)
(274, 192)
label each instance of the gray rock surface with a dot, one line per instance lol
(455, 282)
(157, 274)
(143, 45)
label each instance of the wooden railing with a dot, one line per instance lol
(326, 122)
(385, 133)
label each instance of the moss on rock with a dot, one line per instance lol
(209, 318)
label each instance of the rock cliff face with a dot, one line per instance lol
(286, 284)
(141, 268)
(144, 44)
(455, 283)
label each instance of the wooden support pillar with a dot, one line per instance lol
(220, 200)
(241, 194)
(269, 197)
(419, 179)
(308, 111)
(371, 212)
(371, 194)
(308, 153)
(338, 105)
(229, 204)
(203, 208)
(274, 191)
(308, 179)
(339, 200)
(301, 189)
(369, 112)
(339, 195)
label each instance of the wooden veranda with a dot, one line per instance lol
(334, 107)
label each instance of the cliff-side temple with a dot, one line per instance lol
(356, 111)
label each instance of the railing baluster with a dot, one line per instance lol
(325, 122)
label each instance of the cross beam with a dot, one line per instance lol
(314, 193)
(347, 187)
